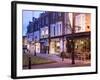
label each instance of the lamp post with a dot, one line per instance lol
(29, 64)
(72, 41)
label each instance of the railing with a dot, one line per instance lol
(83, 56)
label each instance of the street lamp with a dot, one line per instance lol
(73, 53)
(72, 41)
(29, 64)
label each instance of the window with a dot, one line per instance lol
(60, 28)
(46, 20)
(42, 21)
(37, 26)
(54, 30)
(44, 32)
(54, 15)
(57, 30)
(59, 14)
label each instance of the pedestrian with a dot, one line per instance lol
(62, 56)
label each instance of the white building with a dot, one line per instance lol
(36, 42)
(82, 22)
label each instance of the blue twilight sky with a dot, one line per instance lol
(27, 16)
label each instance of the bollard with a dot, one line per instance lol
(29, 65)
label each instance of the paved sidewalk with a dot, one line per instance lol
(59, 62)
(59, 59)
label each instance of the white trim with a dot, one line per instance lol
(21, 72)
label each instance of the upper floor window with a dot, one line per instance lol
(54, 30)
(54, 14)
(38, 26)
(46, 20)
(44, 32)
(42, 21)
(59, 14)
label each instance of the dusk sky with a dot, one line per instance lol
(27, 16)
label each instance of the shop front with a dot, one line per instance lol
(56, 46)
(35, 47)
(44, 46)
(81, 47)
